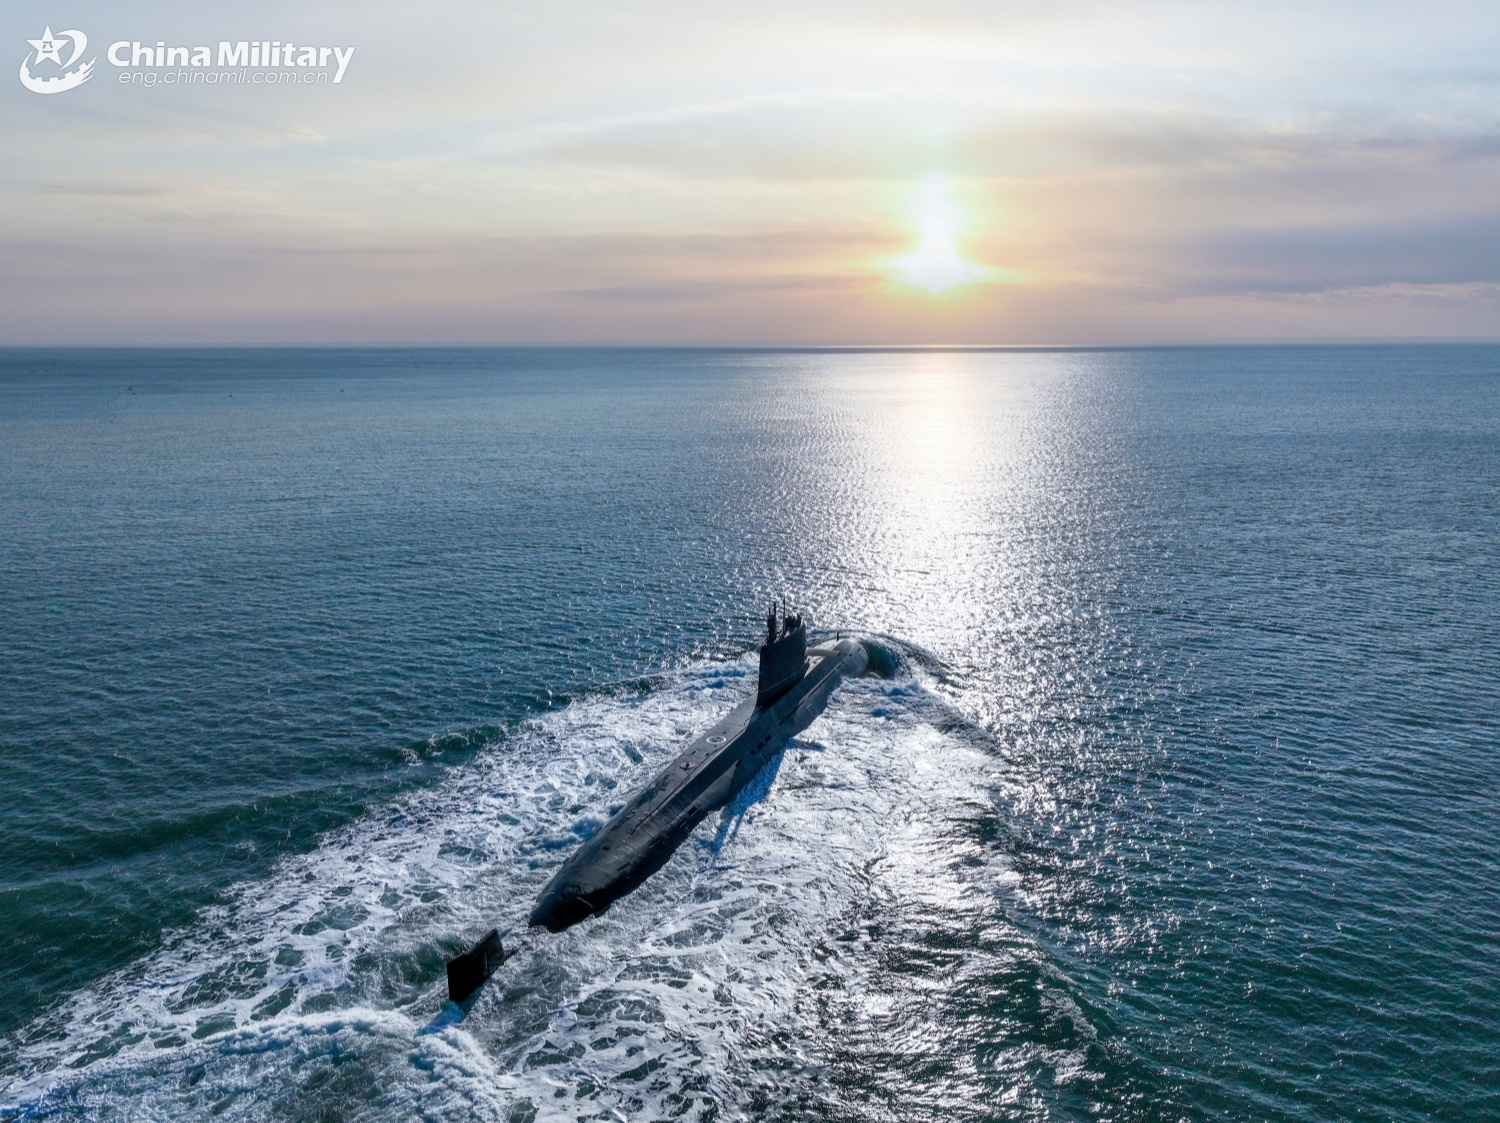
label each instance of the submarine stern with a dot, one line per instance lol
(560, 909)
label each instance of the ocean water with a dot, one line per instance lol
(1182, 802)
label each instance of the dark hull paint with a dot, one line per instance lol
(640, 838)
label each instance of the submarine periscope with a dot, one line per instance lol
(793, 688)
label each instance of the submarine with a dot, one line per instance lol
(793, 688)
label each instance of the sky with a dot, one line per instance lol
(772, 173)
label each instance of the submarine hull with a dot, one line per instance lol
(643, 834)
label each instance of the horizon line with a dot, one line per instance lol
(670, 345)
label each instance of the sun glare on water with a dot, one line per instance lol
(936, 265)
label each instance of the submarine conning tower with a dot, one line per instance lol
(783, 657)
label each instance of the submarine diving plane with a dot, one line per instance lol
(794, 686)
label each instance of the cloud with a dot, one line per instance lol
(494, 172)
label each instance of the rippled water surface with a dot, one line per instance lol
(1182, 802)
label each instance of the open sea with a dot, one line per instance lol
(1182, 804)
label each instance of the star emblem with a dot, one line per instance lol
(48, 47)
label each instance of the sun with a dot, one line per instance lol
(936, 266)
